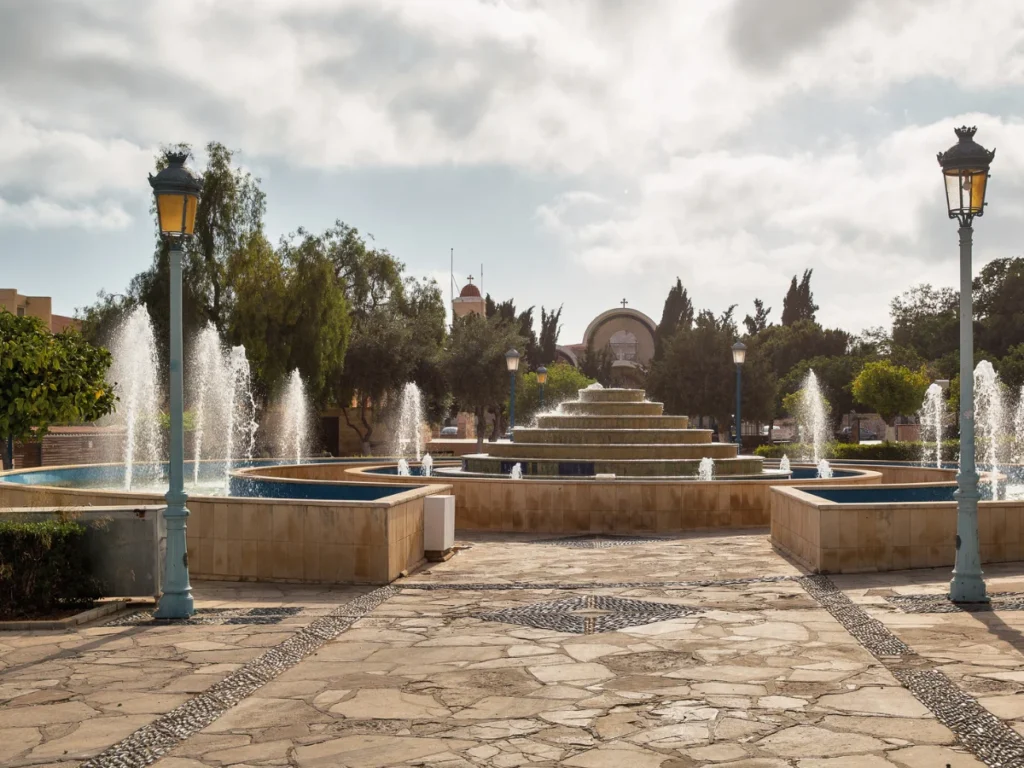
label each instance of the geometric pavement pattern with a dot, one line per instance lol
(588, 615)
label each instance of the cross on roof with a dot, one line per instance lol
(470, 278)
(624, 303)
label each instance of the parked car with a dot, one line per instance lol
(449, 431)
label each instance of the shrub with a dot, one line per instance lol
(44, 567)
(855, 451)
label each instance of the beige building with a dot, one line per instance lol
(35, 306)
(469, 301)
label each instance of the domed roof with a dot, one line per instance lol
(470, 290)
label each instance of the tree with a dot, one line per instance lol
(48, 379)
(563, 383)
(787, 345)
(999, 305)
(550, 328)
(927, 320)
(675, 315)
(474, 362)
(759, 385)
(759, 321)
(890, 390)
(799, 301)
(835, 377)
(596, 364)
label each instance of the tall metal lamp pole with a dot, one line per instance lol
(965, 168)
(177, 196)
(739, 356)
(512, 363)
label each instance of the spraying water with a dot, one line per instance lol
(825, 470)
(813, 418)
(294, 440)
(1018, 430)
(134, 373)
(408, 438)
(225, 411)
(989, 419)
(517, 472)
(706, 470)
(403, 468)
(784, 463)
(932, 416)
(426, 465)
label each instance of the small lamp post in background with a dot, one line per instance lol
(512, 363)
(739, 356)
(177, 196)
(965, 168)
(542, 378)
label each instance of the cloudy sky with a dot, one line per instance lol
(584, 151)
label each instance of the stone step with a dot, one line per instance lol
(585, 452)
(612, 395)
(538, 467)
(611, 409)
(612, 436)
(563, 421)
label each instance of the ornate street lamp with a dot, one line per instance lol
(542, 377)
(739, 356)
(965, 170)
(512, 363)
(177, 196)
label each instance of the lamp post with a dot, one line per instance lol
(177, 195)
(512, 363)
(739, 356)
(542, 377)
(965, 168)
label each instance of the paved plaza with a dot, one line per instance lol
(703, 650)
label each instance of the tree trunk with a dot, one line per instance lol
(480, 425)
(364, 440)
(369, 428)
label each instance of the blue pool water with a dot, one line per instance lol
(882, 494)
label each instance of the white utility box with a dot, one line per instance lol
(438, 527)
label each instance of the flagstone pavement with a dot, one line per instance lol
(692, 651)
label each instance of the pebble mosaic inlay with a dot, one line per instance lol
(150, 742)
(985, 735)
(589, 615)
(209, 616)
(598, 541)
(519, 585)
(998, 601)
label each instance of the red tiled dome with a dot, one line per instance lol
(470, 290)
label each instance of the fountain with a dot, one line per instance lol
(989, 420)
(784, 463)
(294, 437)
(812, 416)
(517, 472)
(932, 416)
(134, 373)
(408, 438)
(225, 411)
(706, 470)
(1018, 430)
(426, 465)
(825, 470)
(403, 468)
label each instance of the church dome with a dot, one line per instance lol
(470, 290)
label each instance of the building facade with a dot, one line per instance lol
(36, 306)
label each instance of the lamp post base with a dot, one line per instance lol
(176, 599)
(967, 588)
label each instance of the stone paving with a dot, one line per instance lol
(704, 650)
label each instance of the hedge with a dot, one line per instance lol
(851, 451)
(44, 568)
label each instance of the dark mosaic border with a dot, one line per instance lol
(998, 601)
(598, 541)
(211, 616)
(153, 741)
(437, 586)
(561, 616)
(986, 736)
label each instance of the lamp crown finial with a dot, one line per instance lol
(965, 133)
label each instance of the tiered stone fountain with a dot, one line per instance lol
(611, 432)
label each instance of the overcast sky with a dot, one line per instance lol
(584, 151)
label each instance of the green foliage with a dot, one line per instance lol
(48, 379)
(890, 390)
(759, 321)
(474, 362)
(854, 451)
(596, 364)
(835, 376)
(788, 345)
(43, 568)
(999, 305)
(799, 301)
(188, 419)
(675, 315)
(792, 404)
(550, 328)
(926, 320)
(563, 383)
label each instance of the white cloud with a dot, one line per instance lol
(38, 213)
